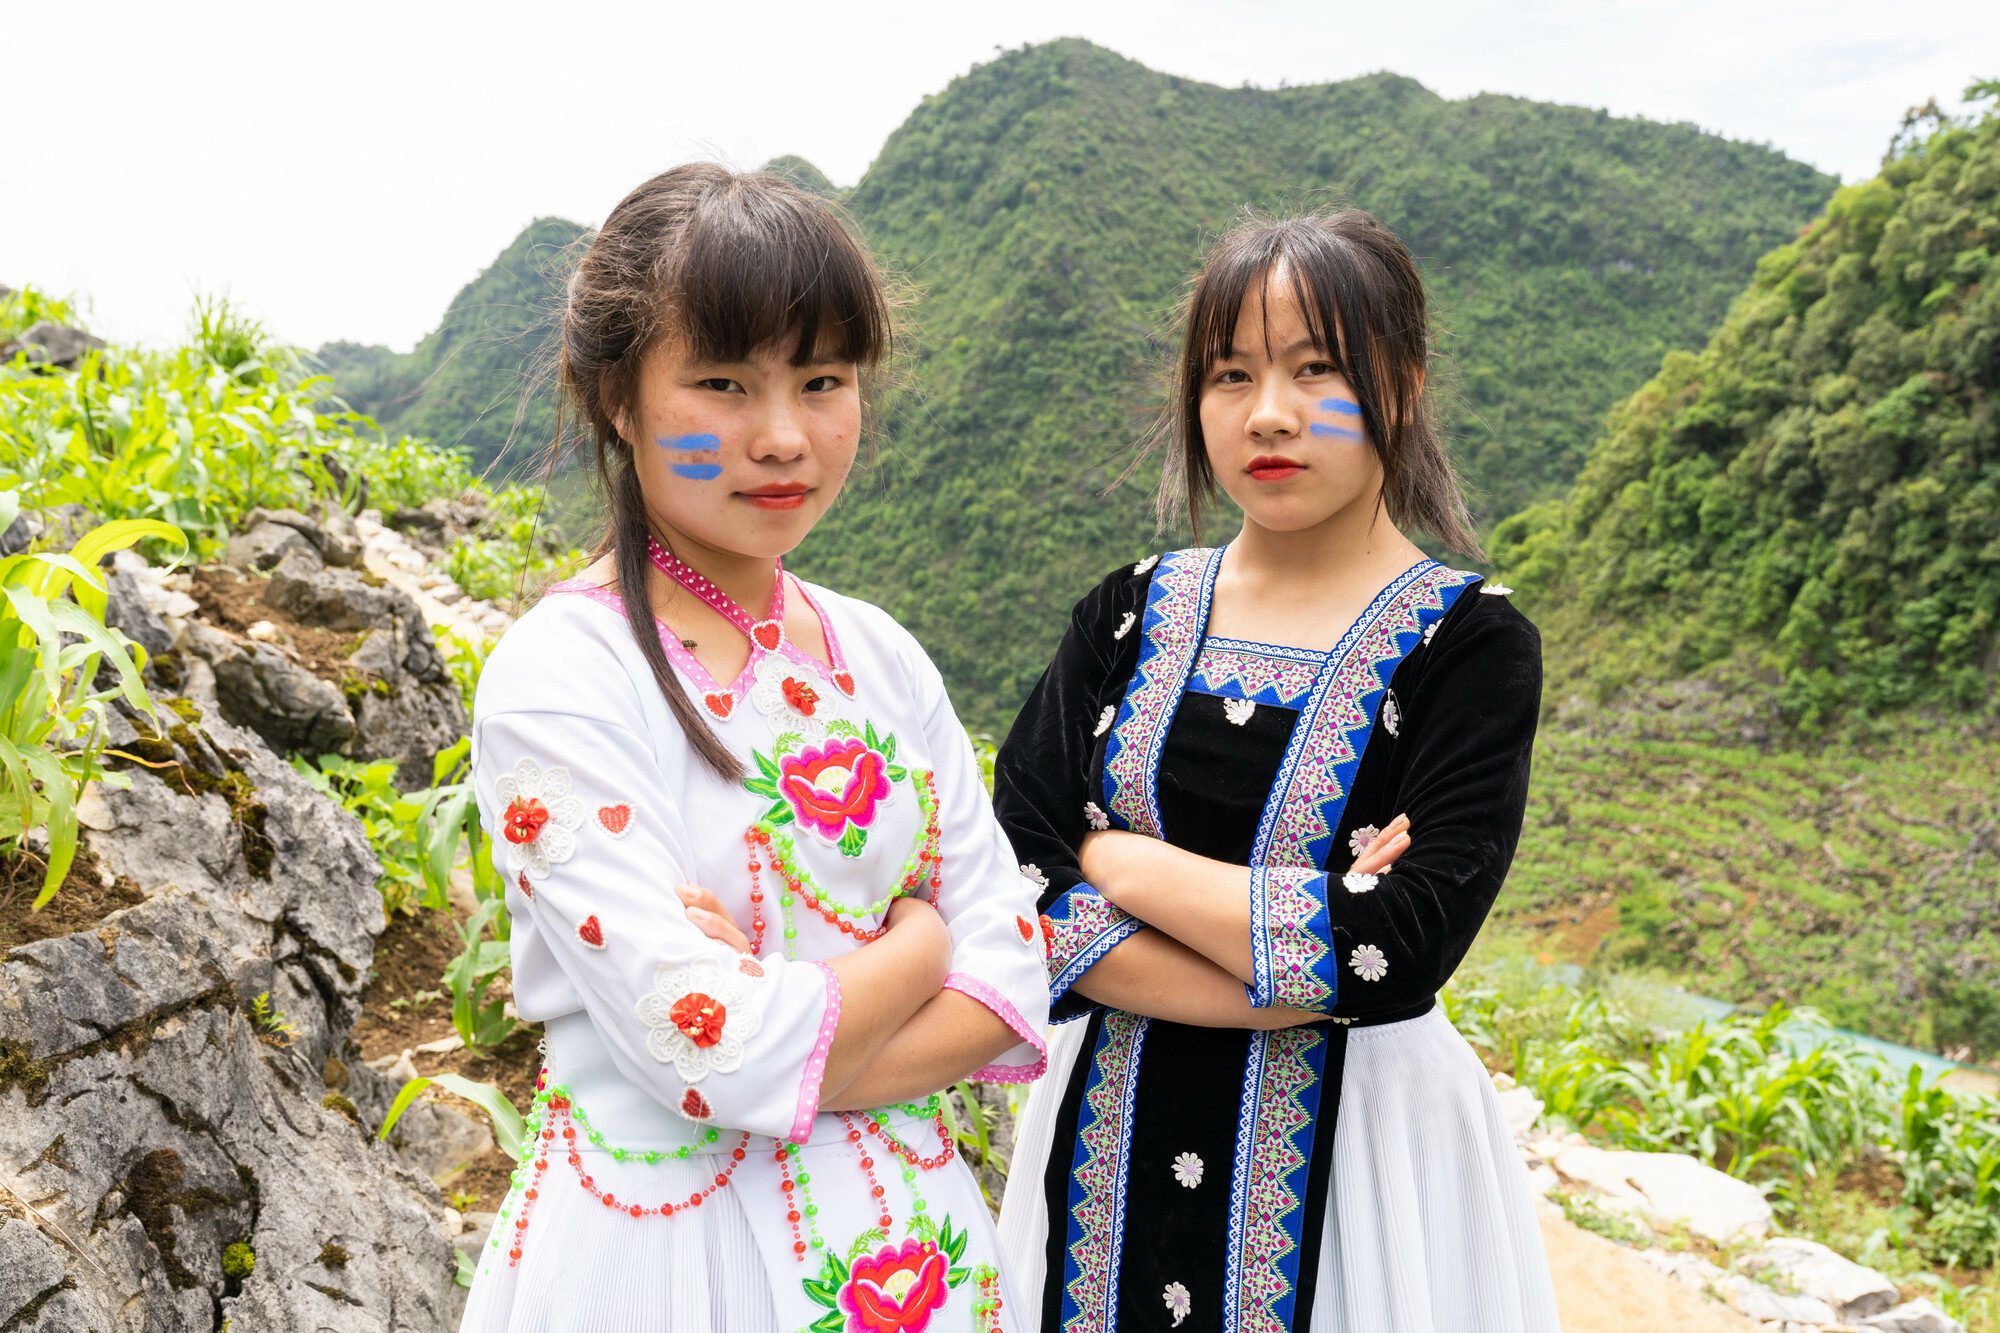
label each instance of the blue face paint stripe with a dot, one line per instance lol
(1347, 407)
(1321, 428)
(697, 471)
(693, 444)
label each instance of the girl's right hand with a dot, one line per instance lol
(707, 914)
(1389, 844)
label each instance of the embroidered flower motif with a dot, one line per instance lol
(1188, 1169)
(1095, 817)
(1125, 625)
(800, 695)
(1495, 589)
(1368, 963)
(1430, 631)
(1392, 714)
(834, 786)
(1104, 719)
(896, 1290)
(1145, 564)
(787, 702)
(541, 817)
(1356, 882)
(1179, 1303)
(1360, 840)
(1034, 872)
(1239, 711)
(698, 1016)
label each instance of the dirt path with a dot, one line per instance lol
(1602, 1287)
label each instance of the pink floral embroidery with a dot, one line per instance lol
(835, 785)
(895, 1290)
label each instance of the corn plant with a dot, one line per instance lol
(53, 640)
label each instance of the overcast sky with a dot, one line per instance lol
(343, 170)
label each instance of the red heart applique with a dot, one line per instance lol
(591, 932)
(845, 679)
(695, 1106)
(615, 818)
(749, 967)
(1027, 929)
(768, 634)
(527, 889)
(720, 704)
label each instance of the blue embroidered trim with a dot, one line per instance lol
(1095, 1236)
(1334, 725)
(1176, 610)
(1291, 940)
(1282, 1077)
(1085, 928)
(1265, 673)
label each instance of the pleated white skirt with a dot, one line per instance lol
(1430, 1227)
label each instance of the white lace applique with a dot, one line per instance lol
(1095, 816)
(1356, 882)
(1239, 711)
(1368, 963)
(1392, 714)
(1495, 589)
(1187, 1169)
(1360, 840)
(698, 1016)
(1145, 564)
(1178, 1302)
(785, 694)
(1104, 719)
(540, 817)
(1034, 872)
(1125, 625)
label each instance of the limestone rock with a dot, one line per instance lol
(1854, 1292)
(1918, 1316)
(154, 1122)
(1668, 1189)
(258, 687)
(407, 706)
(309, 591)
(1761, 1302)
(264, 545)
(53, 344)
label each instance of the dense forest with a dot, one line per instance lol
(1047, 208)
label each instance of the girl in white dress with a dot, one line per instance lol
(740, 1131)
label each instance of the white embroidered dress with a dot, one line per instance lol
(682, 1176)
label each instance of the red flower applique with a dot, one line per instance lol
(800, 695)
(524, 819)
(591, 931)
(700, 1017)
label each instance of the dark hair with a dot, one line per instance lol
(733, 263)
(1364, 302)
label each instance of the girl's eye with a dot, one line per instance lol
(719, 384)
(1230, 377)
(1319, 368)
(823, 384)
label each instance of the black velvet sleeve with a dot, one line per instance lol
(1045, 777)
(1460, 770)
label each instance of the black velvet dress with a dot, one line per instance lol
(1284, 760)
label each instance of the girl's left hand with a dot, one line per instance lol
(1389, 844)
(706, 912)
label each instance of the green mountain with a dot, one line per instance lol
(1814, 498)
(465, 385)
(1769, 609)
(1049, 206)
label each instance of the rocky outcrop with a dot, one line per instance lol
(171, 1160)
(48, 343)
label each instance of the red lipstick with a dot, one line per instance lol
(1273, 467)
(788, 496)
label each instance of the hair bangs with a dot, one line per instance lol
(758, 270)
